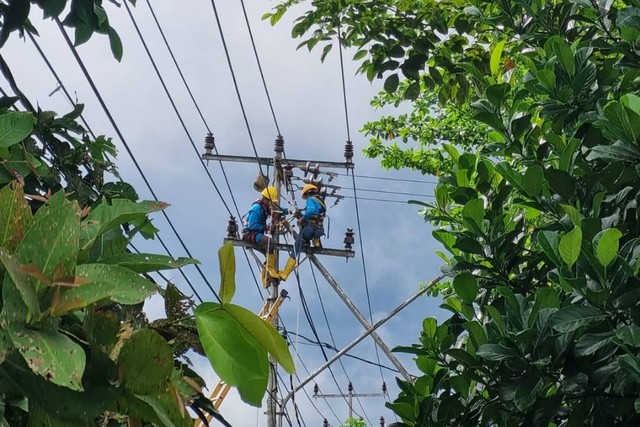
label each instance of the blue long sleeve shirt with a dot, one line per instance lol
(256, 218)
(313, 207)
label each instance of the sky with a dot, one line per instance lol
(307, 99)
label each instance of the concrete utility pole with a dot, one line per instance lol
(283, 176)
(349, 396)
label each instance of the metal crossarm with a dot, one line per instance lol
(268, 311)
(289, 248)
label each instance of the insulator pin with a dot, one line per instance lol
(348, 152)
(232, 228)
(209, 144)
(279, 146)
(349, 240)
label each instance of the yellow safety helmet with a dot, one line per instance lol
(270, 193)
(308, 188)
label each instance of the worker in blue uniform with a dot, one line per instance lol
(254, 229)
(311, 226)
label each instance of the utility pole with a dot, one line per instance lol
(284, 176)
(349, 396)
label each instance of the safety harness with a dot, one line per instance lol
(318, 219)
(249, 235)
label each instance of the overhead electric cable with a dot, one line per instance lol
(355, 194)
(255, 52)
(326, 319)
(206, 125)
(417, 181)
(60, 84)
(235, 84)
(175, 108)
(127, 148)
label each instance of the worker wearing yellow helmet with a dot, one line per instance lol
(254, 227)
(311, 227)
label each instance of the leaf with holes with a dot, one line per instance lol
(51, 240)
(50, 354)
(145, 362)
(107, 216)
(15, 215)
(112, 282)
(14, 127)
(145, 263)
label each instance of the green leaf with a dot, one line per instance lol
(5, 345)
(51, 240)
(496, 352)
(607, 243)
(561, 182)
(23, 283)
(112, 282)
(533, 180)
(145, 362)
(14, 127)
(588, 344)
(474, 211)
(264, 334)
(557, 46)
(570, 245)
(15, 215)
(466, 287)
(573, 213)
(234, 354)
(52, 8)
(549, 241)
(544, 298)
(429, 327)
(630, 335)
(107, 216)
(631, 366)
(50, 354)
(497, 94)
(227, 261)
(391, 83)
(145, 263)
(512, 177)
(496, 56)
(572, 317)
(115, 43)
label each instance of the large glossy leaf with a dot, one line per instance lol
(474, 211)
(264, 334)
(544, 298)
(14, 127)
(512, 177)
(607, 243)
(110, 215)
(533, 180)
(496, 352)
(234, 354)
(15, 214)
(145, 263)
(112, 282)
(466, 287)
(50, 354)
(570, 245)
(145, 362)
(630, 365)
(549, 241)
(227, 261)
(572, 317)
(51, 241)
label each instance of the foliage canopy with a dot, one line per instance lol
(528, 113)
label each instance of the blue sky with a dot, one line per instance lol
(307, 97)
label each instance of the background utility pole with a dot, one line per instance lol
(349, 396)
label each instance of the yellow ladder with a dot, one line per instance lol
(268, 311)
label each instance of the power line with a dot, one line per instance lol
(389, 178)
(371, 199)
(355, 194)
(127, 148)
(255, 52)
(206, 125)
(235, 83)
(324, 312)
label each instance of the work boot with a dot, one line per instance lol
(288, 268)
(269, 270)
